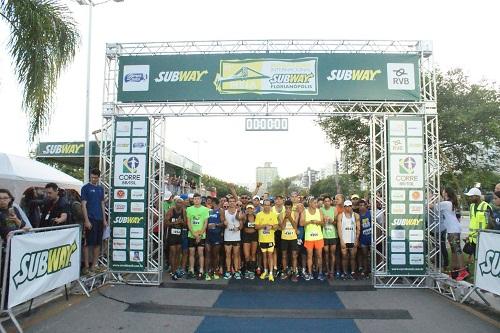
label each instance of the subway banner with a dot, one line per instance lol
(406, 213)
(269, 77)
(129, 189)
(42, 261)
(487, 275)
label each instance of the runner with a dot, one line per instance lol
(330, 235)
(249, 237)
(214, 240)
(197, 225)
(300, 239)
(256, 204)
(289, 245)
(267, 222)
(313, 221)
(175, 221)
(365, 239)
(279, 210)
(232, 238)
(348, 229)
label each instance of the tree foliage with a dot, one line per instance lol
(345, 184)
(283, 186)
(223, 188)
(42, 43)
(469, 132)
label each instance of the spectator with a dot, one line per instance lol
(30, 203)
(496, 210)
(480, 215)
(55, 208)
(95, 220)
(10, 217)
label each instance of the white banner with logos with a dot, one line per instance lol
(42, 261)
(488, 262)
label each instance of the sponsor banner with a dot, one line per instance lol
(42, 261)
(129, 215)
(407, 253)
(488, 262)
(250, 76)
(63, 149)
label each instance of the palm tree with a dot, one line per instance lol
(42, 42)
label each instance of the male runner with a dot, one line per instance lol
(232, 238)
(289, 246)
(175, 221)
(214, 239)
(266, 223)
(197, 225)
(365, 239)
(348, 229)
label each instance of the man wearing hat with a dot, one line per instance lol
(348, 227)
(480, 214)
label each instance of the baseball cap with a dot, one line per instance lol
(347, 203)
(167, 195)
(354, 196)
(473, 191)
(256, 197)
(184, 196)
(250, 206)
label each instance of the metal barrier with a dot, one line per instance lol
(4, 308)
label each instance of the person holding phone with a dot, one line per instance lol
(10, 217)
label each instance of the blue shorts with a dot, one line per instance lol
(184, 235)
(366, 240)
(93, 237)
(214, 238)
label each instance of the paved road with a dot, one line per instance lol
(249, 306)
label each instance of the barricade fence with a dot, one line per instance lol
(36, 262)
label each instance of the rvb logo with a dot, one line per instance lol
(491, 264)
(135, 78)
(400, 76)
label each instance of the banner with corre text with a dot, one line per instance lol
(42, 261)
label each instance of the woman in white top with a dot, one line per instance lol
(449, 221)
(232, 238)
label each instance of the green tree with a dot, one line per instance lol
(345, 184)
(222, 186)
(283, 186)
(469, 132)
(43, 39)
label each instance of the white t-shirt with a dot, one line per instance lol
(231, 233)
(449, 220)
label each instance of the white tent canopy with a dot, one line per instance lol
(18, 173)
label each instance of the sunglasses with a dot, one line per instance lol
(225, 206)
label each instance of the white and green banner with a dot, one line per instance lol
(129, 190)
(406, 222)
(487, 275)
(269, 77)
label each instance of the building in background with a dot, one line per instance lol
(309, 177)
(266, 175)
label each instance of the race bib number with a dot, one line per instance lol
(266, 232)
(329, 227)
(175, 231)
(195, 222)
(313, 234)
(289, 232)
(251, 224)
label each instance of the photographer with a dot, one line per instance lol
(55, 207)
(10, 217)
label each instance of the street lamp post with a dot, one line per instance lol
(86, 153)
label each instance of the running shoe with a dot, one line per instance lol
(321, 276)
(237, 275)
(462, 275)
(284, 276)
(353, 276)
(307, 277)
(199, 276)
(337, 275)
(190, 275)
(215, 276)
(263, 275)
(227, 276)
(295, 278)
(207, 277)
(174, 276)
(343, 276)
(271, 278)
(251, 275)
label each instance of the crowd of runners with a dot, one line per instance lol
(248, 237)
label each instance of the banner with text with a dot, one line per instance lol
(42, 261)
(487, 275)
(406, 224)
(269, 77)
(129, 191)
